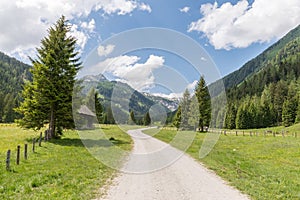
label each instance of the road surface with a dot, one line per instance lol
(183, 179)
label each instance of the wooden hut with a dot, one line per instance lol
(87, 116)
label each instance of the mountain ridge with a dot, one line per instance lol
(253, 65)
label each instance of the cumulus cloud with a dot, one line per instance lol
(79, 35)
(239, 25)
(173, 95)
(105, 50)
(89, 26)
(25, 22)
(128, 69)
(191, 86)
(184, 9)
(145, 7)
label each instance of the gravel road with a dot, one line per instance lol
(183, 179)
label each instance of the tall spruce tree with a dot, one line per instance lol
(178, 118)
(194, 113)
(98, 108)
(185, 109)
(204, 103)
(147, 119)
(48, 97)
(131, 119)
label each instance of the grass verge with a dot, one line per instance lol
(262, 167)
(60, 169)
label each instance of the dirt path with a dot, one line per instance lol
(185, 179)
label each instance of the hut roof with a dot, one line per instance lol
(84, 110)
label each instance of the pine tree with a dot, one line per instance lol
(185, 109)
(98, 108)
(147, 119)
(48, 97)
(241, 118)
(131, 119)
(230, 116)
(178, 118)
(194, 113)
(204, 103)
(288, 113)
(290, 105)
(298, 112)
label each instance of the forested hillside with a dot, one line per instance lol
(257, 63)
(123, 99)
(13, 73)
(270, 96)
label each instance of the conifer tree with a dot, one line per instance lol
(204, 103)
(194, 113)
(178, 118)
(131, 119)
(185, 109)
(48, 97)
(98, 108)
(147, 119)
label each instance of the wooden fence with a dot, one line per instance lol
(255, 133)
(35, 141)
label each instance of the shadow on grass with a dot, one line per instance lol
(87, 142)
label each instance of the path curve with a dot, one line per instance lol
(185, 179)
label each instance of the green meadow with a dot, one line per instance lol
(264, 167)
(60, 169)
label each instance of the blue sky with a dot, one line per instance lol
(229, 32)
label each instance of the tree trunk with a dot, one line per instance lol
(52, 122)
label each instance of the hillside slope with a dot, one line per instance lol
(257, 63)
(122, 98)
(13, 74)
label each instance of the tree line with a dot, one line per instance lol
(194, 112)
(271, 97)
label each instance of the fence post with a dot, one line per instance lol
(236, 133)
(250, 133)
(295, 134)
(46, 135)
(8, 160)
(40, 139)
(25, 151)
(274, 134)
(243, 133)
(18, 155)
(225, 133)
(33, 145)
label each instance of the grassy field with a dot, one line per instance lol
(262, 167)
(60, 169)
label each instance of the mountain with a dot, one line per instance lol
(122, 98)
(13, 74)
(171, 104)
(269, 93)
(255, 64)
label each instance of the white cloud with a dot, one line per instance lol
(79, 35)
(203, 59)
(237, 26)
(191, 86)
(126, 68)
(184, 9)
(145, 7)
(105, 50)
(25, 22)
(89, 26)
(179, 95)
(121, 7)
